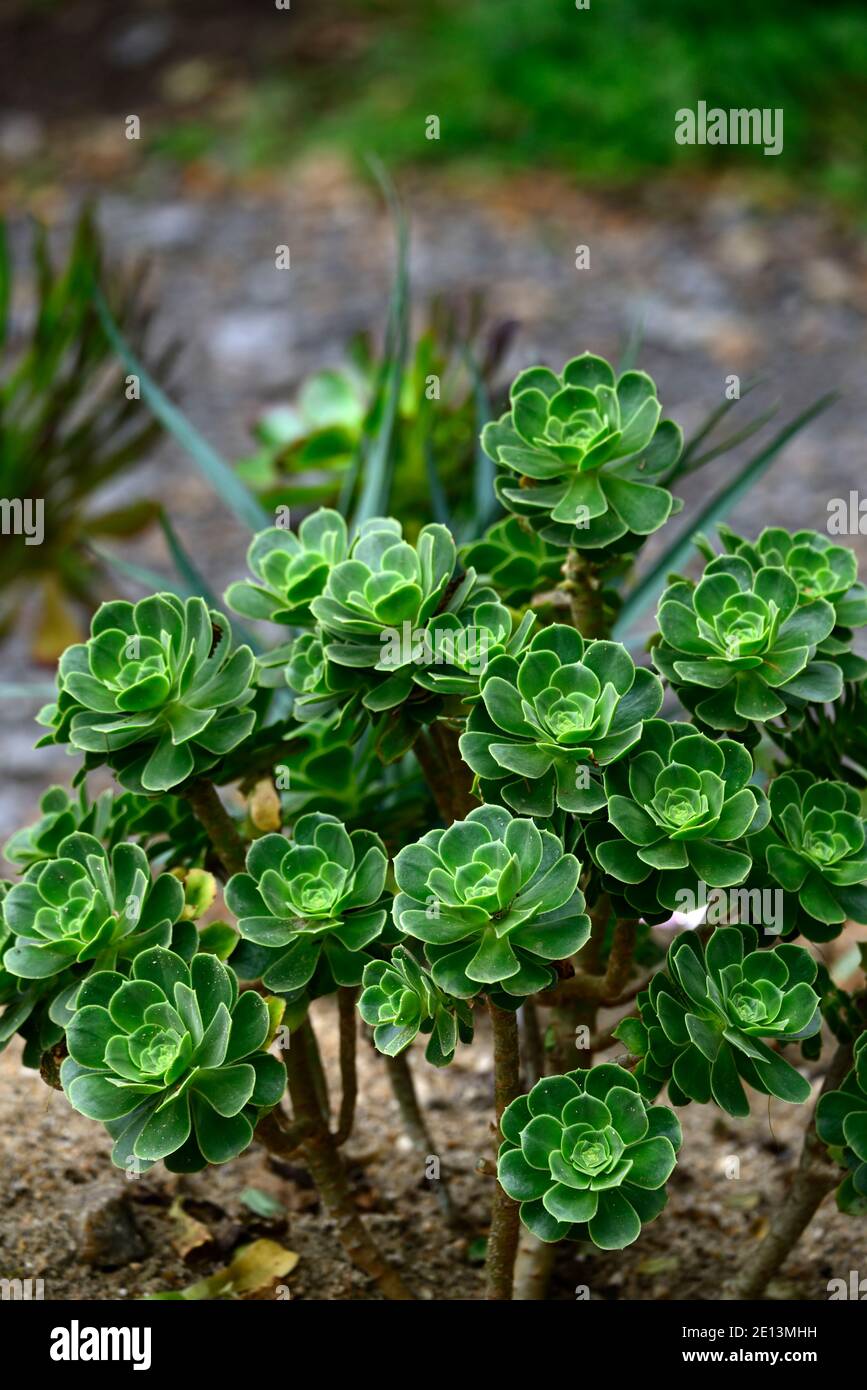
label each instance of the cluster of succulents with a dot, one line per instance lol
(815, 848)
(290, 570)
(584, 456)
(678, 812)
(495, 900)
(820, 569)
(515, 559)
(450, 796)
(707, 1020)
(588, 1157)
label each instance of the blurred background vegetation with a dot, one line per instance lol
(524, 84)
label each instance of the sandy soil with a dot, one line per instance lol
(53, 1159)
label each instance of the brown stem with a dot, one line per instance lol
(326, 1168)
(815, 1177)
(307, 1038)
(346, 998)
(583, 585)
(603, 989)
(281, 1137)
(415, 1125)
(503, 1237)
(215, 819)
(447, 775)
(533, 1045)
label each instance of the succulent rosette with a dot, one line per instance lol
(815, 848)
(323, 689)
(459, 648)
(708, 1018)
(841, 1122)
(61, 815)
(171, 1060)
(310, 905)
(157, 692)
(515, 559)
(582, 455)
(88, 907)
(290, 570)
(400, 1000)
(820, 569)
(495, 900)
(384, 583)
(679, 811)
(547, 722)
(587, 1157)
(740, 647)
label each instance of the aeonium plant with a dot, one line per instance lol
(551, 719)
(446, 805)
(587, 1157)
(707, 1021)
(311, 905)
(741, 648)
(495, 901)
(158, 692)
(583, 454)
(172, 1060)
(815, 848)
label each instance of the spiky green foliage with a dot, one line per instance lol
(310, 905)
(400, 1000)
(171, 1060)
(740, 647)
(67, 428)
(678, 813)
(582, 455)
(815, 848)
(495, 900)
(547, 722)
(841, 1122)
(158, 692)
(587, 1157)
(707, 1021)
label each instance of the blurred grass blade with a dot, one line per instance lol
(140, 574)
(194, 579)
(374, 453)
(715, 510)
(33, 690)
(631, 347)
(709, 424)
(218, 473)
(439, 501)
(185, 567)
(485, 505)
(5, 282)
(731, 441)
